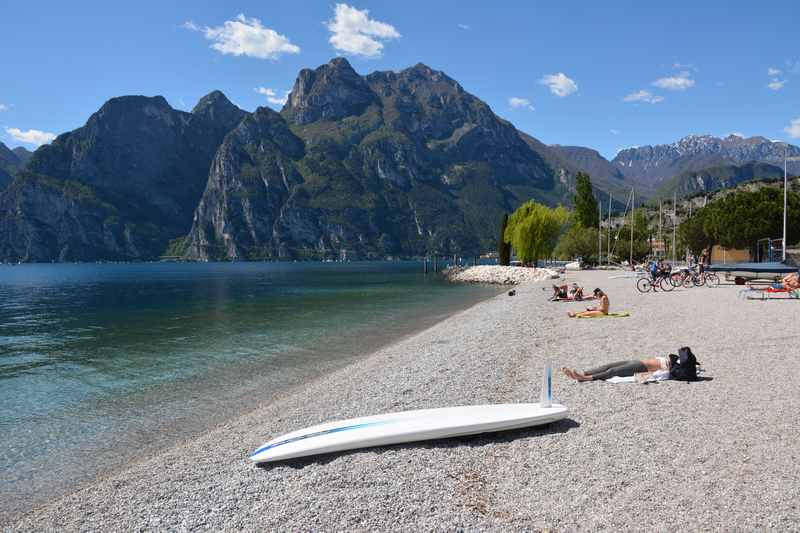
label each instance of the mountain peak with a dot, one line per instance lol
(215, 104)
(340, 63)
(653, 164)
(330, 92)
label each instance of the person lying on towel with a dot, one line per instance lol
(600, 309)
(681, 367)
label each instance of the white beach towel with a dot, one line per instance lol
(646, 377)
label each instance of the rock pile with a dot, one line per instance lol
(498, 275)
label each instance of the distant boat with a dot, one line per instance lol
(768, 271)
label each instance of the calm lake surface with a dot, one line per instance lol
(101, 363)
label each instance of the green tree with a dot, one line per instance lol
(738, 220)
(533, 230)
(586, 211)
(691, 232)
(577, 241)
(641, 237)
(503, 247)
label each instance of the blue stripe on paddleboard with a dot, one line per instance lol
(319, 433)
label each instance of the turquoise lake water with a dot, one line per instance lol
(100, 363)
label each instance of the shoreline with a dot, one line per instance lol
(623, 460)
(237, 399)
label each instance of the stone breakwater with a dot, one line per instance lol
(498, 275)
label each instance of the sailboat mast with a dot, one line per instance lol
(599, 232)
(633, 207)
(674, 225)
(660, 238)
(608, 248)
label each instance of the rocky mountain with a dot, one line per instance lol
(23, 154)
(11, 162)
(392, 163)
(120, 187)
(652, 165)
(712, 179)
(5, 179)
(606, 177)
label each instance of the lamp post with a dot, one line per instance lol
(786, 159)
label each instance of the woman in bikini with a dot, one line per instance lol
(601, 309)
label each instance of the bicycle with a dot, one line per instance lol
(659, 282)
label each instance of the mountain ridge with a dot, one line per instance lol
(651, 165)
(394, 163)
(118, 188)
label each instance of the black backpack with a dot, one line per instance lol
(684, 365)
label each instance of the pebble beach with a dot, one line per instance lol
(720, 454)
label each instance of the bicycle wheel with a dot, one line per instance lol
(712, 280)
(643, 285)
(676, 280)
(665, 284)
(687, 282)
(698, 280)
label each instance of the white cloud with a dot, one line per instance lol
(736, 134)
(681, 82)
(614, 132)
(520, 103)
(793, 129)
(4, 107)
(773, 71)
(644, 96)
(272, 96)
(353, 32)
(559, 84)
(684, 66)
(246, 37)
(31, 136)
(776, 84)
(464, 27)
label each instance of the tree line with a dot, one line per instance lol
(740, 219)
(535, 231)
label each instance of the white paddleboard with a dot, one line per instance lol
(406, 426)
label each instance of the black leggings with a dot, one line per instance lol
(620, 368)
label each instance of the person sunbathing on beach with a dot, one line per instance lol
(601, 309)
(619, 369)
(559, 292)
(564, 292)
(682, 367)
(790, 282)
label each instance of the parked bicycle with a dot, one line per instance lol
(653, 283)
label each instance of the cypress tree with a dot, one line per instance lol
(503, 248)
(586, 212)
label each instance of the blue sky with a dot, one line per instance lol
(599, 74)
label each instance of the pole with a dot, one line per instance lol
(599, 232)
(785, 194)
(660, 238)
(608, 248)
(674, 226)
(633, 207)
